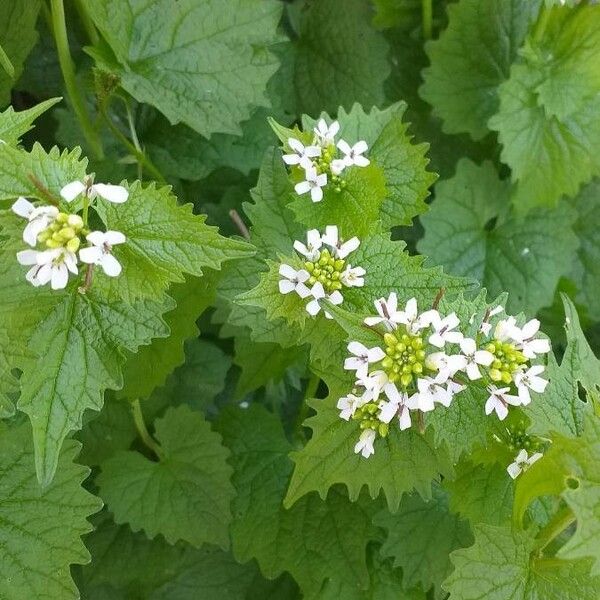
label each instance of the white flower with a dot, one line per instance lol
(349, 404)
(337, 166)
(302, 154)
(50, 266)
(364, 445)
(313, 245)
(313, 184)
(116, 194)
(499, 400)
(410, 317)
(339, 249)
(522, 463)
(387, 311)
(531, 346)
(326, 134)
(454, 387)
(294, 281)
(429, 392)
(446, 365)
(474, 358)
(443, 328)
(39, 218)
(318, 292)
(486, 326)
(374, 383)
(353, 276)
(363, 356)
(100, 252)
(353, 155)
(507, 330)
(530, 380)
(396, 404)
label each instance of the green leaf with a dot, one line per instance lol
(164, 241)
(571, 468)
(560, 409)
(587, 264)
(17, 36)
(130, 564)
(547, 121)
(403, 461)
(186, 493)
(41, 528)
(14, 125)
(471, 58)
(498, 566)
(467, 231)
(481, 493)
(151, 366)
(207, 64)
(329, 72)
(404, 164)
(313, 540)
(35, 174)
(396, 13)
(420, 537)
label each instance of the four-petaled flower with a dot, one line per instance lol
(340, 249)
(302, 155)
(443, 328)
(313, 183)
(530, 379)
(396, 404)
(349, 404)
(474, 358)
(314, 242)
(364, 445)
(116, 194)
(326, 133)
(49, 266)
(100, 252)
(361, 358)
(318, 293)
(295, 281)
(353, 276)
(522, 462)
(39, 219)
(499, 400)
(387, 311)
(353, 155)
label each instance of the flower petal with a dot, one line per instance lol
(70, 191)
(116, 194)
(22, 207)
(110, 265)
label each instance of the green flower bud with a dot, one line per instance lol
(495, 375)
(406, 379)
(73, 244)
(390, 340)
(53, 244)
(417, 368)
(506, 377)
(383, 429)
(75, 221)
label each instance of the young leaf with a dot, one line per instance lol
(186, 494)
(41, 528)
(313, 540)
(420, 537)
(328, 70)
(164, 241)
(571, 468)
(498, 566)
(547, 121)
(206, 65)
(472, 58)
(465, 231)
(403, 461)
(14, 125)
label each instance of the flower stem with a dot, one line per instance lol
(427, 13)
(561, 520)
(68, 71)
(140, 424)
(6, 64)
(139, 155)
(87, 22)
(235, 217)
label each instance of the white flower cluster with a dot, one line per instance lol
(55, 237)
(321, 161)
(326, 271)
(425, 360)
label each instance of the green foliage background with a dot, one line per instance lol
(483, 124)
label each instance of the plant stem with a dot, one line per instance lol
(68, 71)
(139, 155)
(309, 392)
(561, 520)
(140, 424)
(541, 23)
(6, 64)
(235, 217)
(427, 13)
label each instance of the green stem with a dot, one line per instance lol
(139, 155)
(6, 64)
(140, 424)
(427, 13)
(541, 24)
(68, 71)
(309, 392)
(87, 23)
(561, 520)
